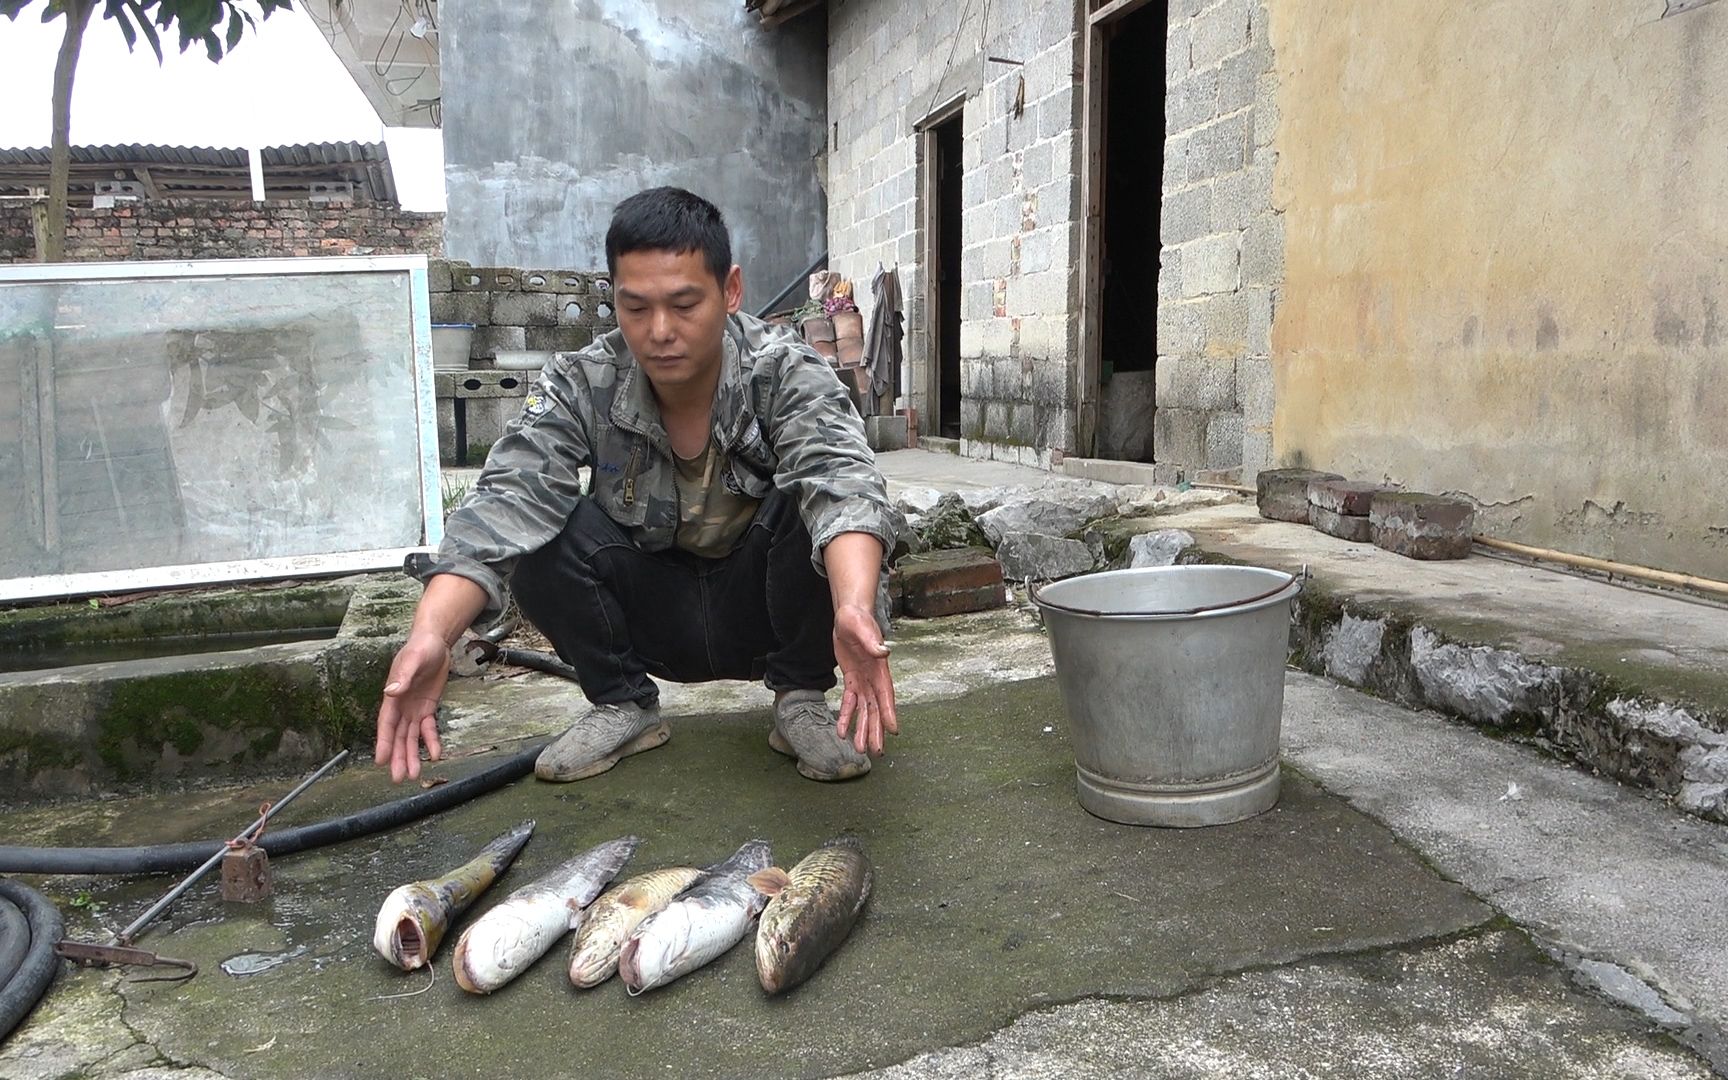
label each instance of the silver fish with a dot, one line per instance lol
(698, 926)
(610, 921)
(505, 941)
(414, 917)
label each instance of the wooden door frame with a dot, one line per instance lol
(1089, 384)
(929, 255)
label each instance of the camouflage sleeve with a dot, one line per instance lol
(824, 460)
(526, 492)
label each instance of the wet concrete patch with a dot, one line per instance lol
(995, 894)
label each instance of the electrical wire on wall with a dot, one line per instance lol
(413, 21)
(935, 91)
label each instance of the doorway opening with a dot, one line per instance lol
(942, 270)
(1126, 127)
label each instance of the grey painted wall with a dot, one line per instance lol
(555, 111)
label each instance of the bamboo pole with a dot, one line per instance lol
(1606, 566)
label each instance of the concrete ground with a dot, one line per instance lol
(1403, 912)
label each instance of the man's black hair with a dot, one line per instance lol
(670, 219)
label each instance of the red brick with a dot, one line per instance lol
(948, 582)
(1350, 498)
(1422, 526)
(1283, 493)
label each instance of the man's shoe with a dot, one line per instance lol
(604, 734)
(804, 729)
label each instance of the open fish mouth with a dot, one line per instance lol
(410, 943)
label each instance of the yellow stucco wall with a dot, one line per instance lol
(1505, 231)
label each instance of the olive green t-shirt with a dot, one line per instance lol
(711, 517)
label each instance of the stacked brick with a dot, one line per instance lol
(201, 229)
(1409, 523)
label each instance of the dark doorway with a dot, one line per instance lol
(1132, 139)
(945, 247)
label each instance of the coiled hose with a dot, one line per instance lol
(30, 927)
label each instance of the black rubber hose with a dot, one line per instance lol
(23, 986)
(14, 938)
(539, 661)
(168, 858)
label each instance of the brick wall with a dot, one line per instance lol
(199, 229)
(890, 62)
(1222, 262)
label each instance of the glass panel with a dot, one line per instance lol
(170, 421)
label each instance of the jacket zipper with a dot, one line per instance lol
(630, 476)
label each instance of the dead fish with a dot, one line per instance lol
(505, 941)
(612, 918)
(698, 926)
(414, 918)
(812, 910)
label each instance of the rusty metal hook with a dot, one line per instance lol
(87, 955)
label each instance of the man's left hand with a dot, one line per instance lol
(867, 706)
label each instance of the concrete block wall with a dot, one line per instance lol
(559, 310)
(1222, 259)
(891, 62)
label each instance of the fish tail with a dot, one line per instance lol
(502, 850)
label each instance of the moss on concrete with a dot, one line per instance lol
(205, 716)
(995, 894)
(180, 614)
(287, 705)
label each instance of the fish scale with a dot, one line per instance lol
(506, 941)
(812, 910)
(699, 926)
(611, 920)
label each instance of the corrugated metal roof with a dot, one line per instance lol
(367, 164)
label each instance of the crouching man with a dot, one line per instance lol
(737, 525)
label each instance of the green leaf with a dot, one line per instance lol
(236, 27)
(148, 30)
(126, 31)
(212, 46)
(11, 8)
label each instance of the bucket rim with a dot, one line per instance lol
(1284, 592)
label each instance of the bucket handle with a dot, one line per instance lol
(1033, 592)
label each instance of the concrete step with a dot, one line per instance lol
(1630, 683)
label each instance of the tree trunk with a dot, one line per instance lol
(53, 247)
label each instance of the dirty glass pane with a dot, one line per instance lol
(172, 421)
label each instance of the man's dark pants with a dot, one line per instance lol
(618, 614)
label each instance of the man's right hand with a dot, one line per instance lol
(408, 714)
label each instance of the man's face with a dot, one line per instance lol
(673, 315)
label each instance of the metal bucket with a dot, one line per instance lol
(1173, 679)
